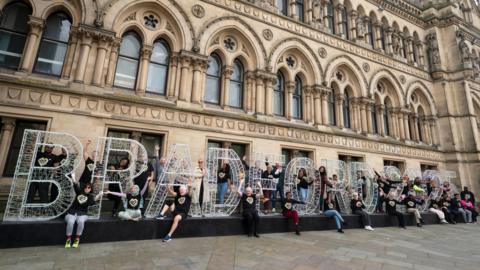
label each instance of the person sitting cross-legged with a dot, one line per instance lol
(358, 208)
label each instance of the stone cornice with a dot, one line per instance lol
(403, 9)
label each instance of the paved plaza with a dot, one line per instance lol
(431, 247)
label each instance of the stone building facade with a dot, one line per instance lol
(389, 82)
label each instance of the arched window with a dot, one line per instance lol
(331, 16)
(332, 115)
(282, 5)
(415, 57)
(382, 37)
(386, 121)
(405, 48)
(411, 127)
(13, 33)
(300, 10)
(297, 99)
(53, 46)
(279, 96)
(420, 130)
(128, 58)
(158, 68)
(374, 119)
(346, 110)
(345, 23)
(214, 78)
(370, 39)
(235, 94)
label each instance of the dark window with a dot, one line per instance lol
(332, 115)
(16, 143)
(290, 154)
(299, 10)
(345, 23)
(214, 78)
(282, 5)
(128, 59)
(382, 37)
(239, 148)
(346, 111)
(149, 141)
(386, 121)
(235, 94)
(279, 95)
(415, 59)
(158, 68)
(370, 33)
(297, 99)
(331, 16)
(374, 119)
(13, 33)
(53, 45)
(420, 130)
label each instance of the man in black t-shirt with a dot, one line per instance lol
(249, 204)
(44, 159)
(179, 208)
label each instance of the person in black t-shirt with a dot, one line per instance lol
(133, 201)
(86, 176)
(179, 208)
(435, 207)
(384, 186)
(288, 211)
(78, 212)
(444, 205)
(357, 206)
(43, 159)
(411, 203)
(224, 181)
(391, 206)
(249, 204)
(331, 210)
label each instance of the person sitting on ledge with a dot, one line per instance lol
(330, 209)
(134, 198)
(357, 206)
(444, 204)
(288, 211)
(457, 208)
(435, 208)
(391, 202)
(411, 203)
(179, 208)
(249, 206)
(78, 212)
(468, 206)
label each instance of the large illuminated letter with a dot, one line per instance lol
(292, 183)
(215, 158)
(36, 170)
(340, 184)
(362, 180)
(105, 172)
(177, 171)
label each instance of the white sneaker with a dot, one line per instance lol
(369, 228)
(443, 221)
(273, 210)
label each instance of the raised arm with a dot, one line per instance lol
(99, 196)
(240, 185)
(260, 193)
(85, 150)
(118, 194)
(144, 189)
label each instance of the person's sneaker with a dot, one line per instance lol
(167, 238)
(68, 243)
(273, 210)
(160, 216)
(340, 231)
(368, 228)
(76, 243)
(419, 225)
(443, 221)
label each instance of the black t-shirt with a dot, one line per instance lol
(59, 160)
(182, 203)
(434, 204)
(329, 205)
(280, 176)
(133, 202)
(249, 202)
(356, 205)
(142, 178)
(222, 176)
(268, 175)
(82, 202)
(385, 186)
(447, 203)
(391, 205)
(287, 204)
(303, 183)
(410, 203)
(455, 204)
(86, 176)
(45, 159)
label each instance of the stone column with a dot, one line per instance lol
(198, 66)
(112, 63)
(184, 79)
(317, 106)
(406, 125)
(338, 14)
(415, 120)
(420, 54)
(381, 123)
(324, 96)
(32, 43)
(172, 77)
(401, 127)
(290, 87)
(339, 108)
(8, 126)
(378, 36)
(434, 131)
(389, 45)
(353, 115)
(369, 117)
(100, 60)
(426, 127)
(410, 50)
(363, 112)
(317, 15)
(250, 90)
(353, 24)
(326, 22)
(269, 94)
(86, 38)
(308, 11)
(292, 10)
(142, 75)
(306, 104)
(225, 93)
(259, 95)
(72, 45)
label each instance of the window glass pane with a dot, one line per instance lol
(235, 94)
(212, 144)
(58, 27)
(160, 53)
(15, 17)
(331, 108)
(282, 6)
(212, 94)
(296, 108)
(237, 74)
(126, 72)
(16, 143)
(214, 66)
(149, 141)
(278, 103)
(50, 57)
(299, 10)
(11, 48)
(157, 78)
(130, 46)
(240, 149)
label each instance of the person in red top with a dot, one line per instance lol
(469, 206)
(289, 212)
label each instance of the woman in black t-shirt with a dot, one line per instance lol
(179, 208)
(330, 209)
(78, 212)
(288, 211)
(249, 203)
(391, 206)
(133, 201)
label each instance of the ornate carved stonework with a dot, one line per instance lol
(267, 34)
(322, 52)
(366, 67)
(198, 11)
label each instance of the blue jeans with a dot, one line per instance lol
(338, 218)
(303, 193)
(221, 190)
(274, 195)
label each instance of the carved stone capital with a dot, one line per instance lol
(36, 25)
(146, 51)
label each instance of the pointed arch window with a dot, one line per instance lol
(236, 85)
(344, 23)
(214, 78)
(370, 39)
(128, 59)
(386, 120)
(279, 95)
(332, 115)
(374, 119)
(297, 99)
(158, 68)
(346, 110)
(53, 45)
(13, 33)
